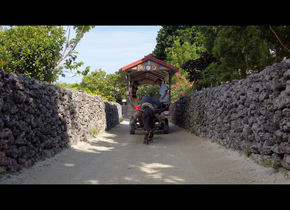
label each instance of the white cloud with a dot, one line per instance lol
(112, 47)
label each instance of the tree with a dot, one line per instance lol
(279, 39)
(116, 87)
(244, 49)
(168, 34)
(110, 87)
(36, 51)
(179, 53)
(200, 70)
(32, 50)
(69, 52)
(95, 81)
(240, 49)
(207, 35)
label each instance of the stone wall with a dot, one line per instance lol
(114, 114)
(252, 114)
(38, 120)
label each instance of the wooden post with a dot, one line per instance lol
(128, 78)
(169, 89)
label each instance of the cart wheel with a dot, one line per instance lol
(132, 126)
(166, 127)
(132, 129)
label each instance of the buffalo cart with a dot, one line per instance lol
(146, 71)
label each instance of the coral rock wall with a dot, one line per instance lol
(38, 120)
(251, 114)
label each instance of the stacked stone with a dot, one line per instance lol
(251, 114)
(38, 120)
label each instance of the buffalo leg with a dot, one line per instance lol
(150, 136)
(145, 135)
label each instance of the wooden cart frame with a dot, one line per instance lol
(146, 71)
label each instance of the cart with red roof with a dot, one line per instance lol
(146, 71)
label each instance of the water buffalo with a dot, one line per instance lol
(147, 115)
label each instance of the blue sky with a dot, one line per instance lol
(112, 47)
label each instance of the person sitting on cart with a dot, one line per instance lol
(133, 91)
(163, 92)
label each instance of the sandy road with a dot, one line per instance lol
(116, 157)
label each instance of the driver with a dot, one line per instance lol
(133, 91)
(163, 92)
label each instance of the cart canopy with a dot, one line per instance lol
(147, 70)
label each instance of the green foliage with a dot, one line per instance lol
(235, 51)
(168, 34)
(95, 81)
(180, 86)
(247, 152)
(285, 172)
(244, 49)
(200, 70)
(73, 86)
(3, 64)
(37, 51)
(116, 86)
(179, 53)
(207, 36)
(148, 90)
(94, 131)
(241, 49)
(270, 162)
(2, 171)
(282, 32)
(32, 50)
(69, 53)
(111, 87)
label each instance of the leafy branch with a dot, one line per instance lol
(70, 47)
(278, 38)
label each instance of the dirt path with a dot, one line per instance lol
(116, 157)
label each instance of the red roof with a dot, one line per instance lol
(148, 57)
